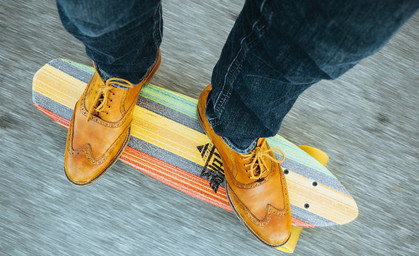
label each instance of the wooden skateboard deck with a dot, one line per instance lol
(168, 144)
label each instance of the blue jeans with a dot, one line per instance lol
(276, 50)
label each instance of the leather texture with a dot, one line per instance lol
(262, 204)
(95, 141)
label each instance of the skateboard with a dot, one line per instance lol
(168, 144)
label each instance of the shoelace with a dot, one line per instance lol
(257, 167)
(102, 98)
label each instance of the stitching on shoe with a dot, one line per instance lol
(87, 150)
(270, 211)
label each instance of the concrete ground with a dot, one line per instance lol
(367, 121)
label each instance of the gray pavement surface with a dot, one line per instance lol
(367, 121)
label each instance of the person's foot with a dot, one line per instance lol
(100, 127)
(256, 186)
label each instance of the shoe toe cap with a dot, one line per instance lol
(272, 228)
(80, 168)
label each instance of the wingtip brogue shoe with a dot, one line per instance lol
(256, 185)
(100, 126)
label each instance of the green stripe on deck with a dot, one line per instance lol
(83, 67)
(176, 101)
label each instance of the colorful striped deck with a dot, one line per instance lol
(168, 144)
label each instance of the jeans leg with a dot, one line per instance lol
(279, 48)
(121, 36)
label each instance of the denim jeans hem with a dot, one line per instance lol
(234, 147)
(105, 76)
(213, 121)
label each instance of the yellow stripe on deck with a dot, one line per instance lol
(168, 135)
(58, 86)
(322, 200)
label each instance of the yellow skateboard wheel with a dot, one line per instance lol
(316, 153)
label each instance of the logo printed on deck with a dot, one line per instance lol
(213, 167)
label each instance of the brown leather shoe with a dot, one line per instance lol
(256, 186)
(100, 127)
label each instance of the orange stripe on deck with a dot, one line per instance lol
(59, 119)
(300, 223)
(158, 165)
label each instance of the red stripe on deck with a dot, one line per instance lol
(175, 177)
(59, 119)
